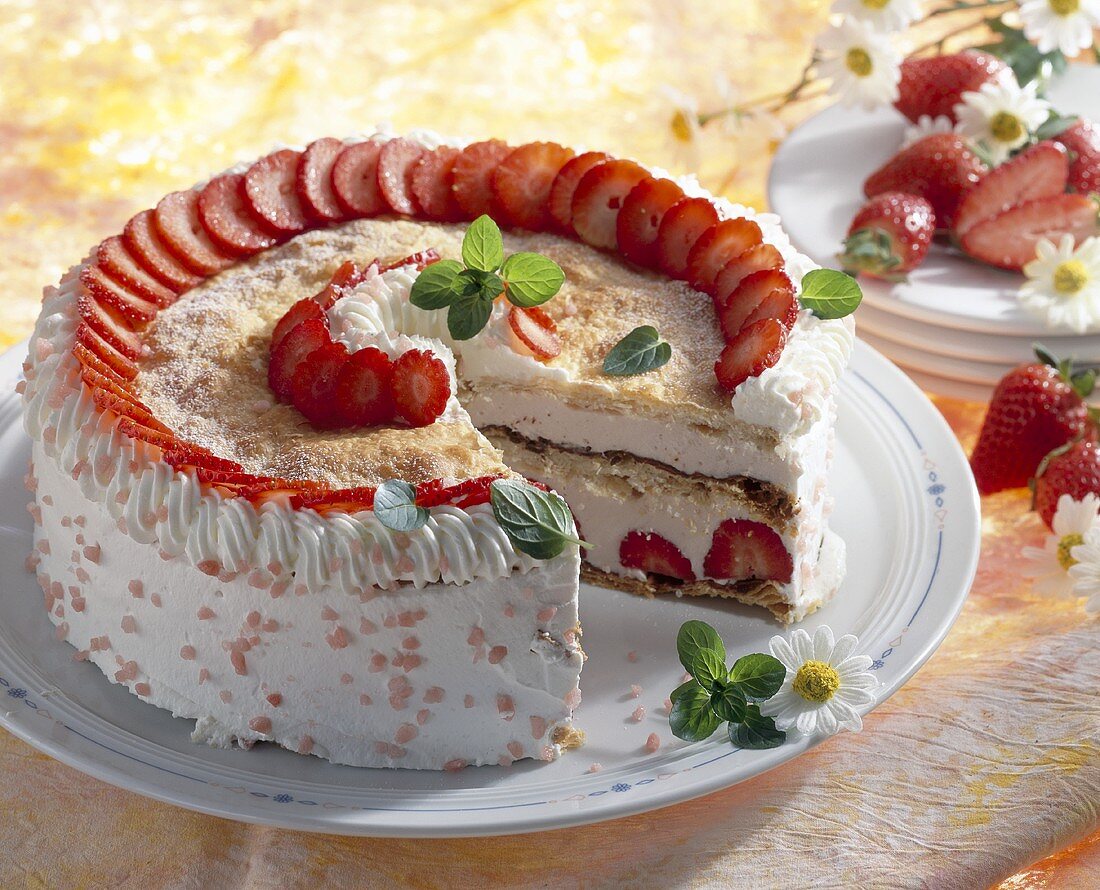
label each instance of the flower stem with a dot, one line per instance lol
(774, 101)
(960, 6)
(938, 43)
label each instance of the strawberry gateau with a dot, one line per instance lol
(270, 483)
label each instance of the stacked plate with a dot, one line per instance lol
(956, 326)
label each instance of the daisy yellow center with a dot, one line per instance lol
(1065, 548)
(1070, 277)
(681, 127)
(816, 681)
(876, 4)
(859, 62)
(1065, 7)
(1006, 127)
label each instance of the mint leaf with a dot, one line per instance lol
(469, 313)
(532, 278)
(395, 506)
(728, 701)
(830, 294)
(692, 718)
(681, 689)
(434, 288)
(756, 731)
(1054, 125)
(701, 652)
(482, 245)
(758, 676)
(639, 351)
(487, 285)
(537, 522)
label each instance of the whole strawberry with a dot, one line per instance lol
(1072, 470)
(889, 236)
(934, 86)
(1035, 409)
(939, 168)
(1083, 141)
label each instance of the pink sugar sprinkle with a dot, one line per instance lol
(573, 698)
(82, 575)
(329, 614)
(300, 590)
(98, 644)
(497, 654)
(411, 662)
(422, 716)
(226, 696)
(397, 683)
(433, 695)
(155, 600)
(547, 614)
(305, 745)
(389, 621)
(538, 727)
(66, 521)
(162, 514)
(127, 672)
(208, 566)
(406, 732)
(365, 700)
(31, 562)
(509, 611)
(338, 639)
(653, 743)
(258, 580)
(378, 663)
(187, 653)
(639, 714)
(82, 655)
(80, 520)
(270, 626)
(205, 613)
(129, 625)
(476, 637)
(260, 724)
(468, 701)
(236, 659)
(279, 588)
(453, 766)
(407, 619)
(275, 567)
(635, 690)
(275, 699)
(347, 679)
(204, 675)
(137, 590)
(142, 689)
(506, 707)
(62, 630)
(59, 611)
(595, 767)
(366, 626)
(253, 619)
(410, 643)
(398, 702)
(44, 548)
(515, 749)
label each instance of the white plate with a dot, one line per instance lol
(816, 186)
(945, 386)
(906, 503)
(939, 365)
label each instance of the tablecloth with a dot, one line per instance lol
(985, 763)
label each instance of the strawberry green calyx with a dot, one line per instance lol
(1083, 380)
(871, 250)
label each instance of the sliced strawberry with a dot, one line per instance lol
(756, 259)
(96, 380)
(271, 187)
(343, 279)
(313, 179)
(147, 247)
(560, 200)
(395, 166)
(184, 455)
(232, 482)
(295, 346)
(522, 181)
(750, 353)
(279, 490)
(421, 387)
(598, 199)
(743, 550)
(344, 500)
(89, 359)
(179, 224)
(364, 389)
(473, 176)
(654, 555)
(116, 260)
(467, 493)
(433, 180)
(127, 406)
(160, 437)
(1009, 240)
(683, 224)
(355, 180)
(780, 304)
(536, 330)
(722, 242)
(111, 326)
(313, 385)
(99, 349)
(1040, 172)
(303, 310)
(136, 310)
(640, 218)
(227, 217)
(747, 297)
(421, 260)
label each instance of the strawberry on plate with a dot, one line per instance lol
(1009, 240)
(683, 224)
(934, 86)
(271, 186)
(421, 387)
(473, 176)
(1083, 142)
(939, 168)
(650, 553)
(640, 218)
(889, 236)
(742, 549)
(1073, 469)
(750, 352)
(560, 200)
(722, 242)
(522, 183)
(1035, 408)
(598, 199)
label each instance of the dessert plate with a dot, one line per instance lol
(906, 504)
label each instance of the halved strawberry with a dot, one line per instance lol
(1010, 239)
(160, 437)
(640, 218)
(364, 389)
(344, 500)
(111, 326)
(127, 406)
(271, 187)
(227, 217)
(304, 310)
(355, 180)
(313, 179)
(598, 199)
(116, 260)
(313, 384)
(147, 247)
(750, 353)
(747, 296)
(179, 224)
(136, 310)
(432, 186)
(89, 359)
(522, 182)
(1041, 171)
(755, 259)
(421, 387)
(560, 200)
(112, 357)
(536, 330)
(303, 339)
(681, 227)
(473, 176)
(650, 553)
(395, 165)
(722, 242)
(742, 550)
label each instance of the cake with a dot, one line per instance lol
(275, 494)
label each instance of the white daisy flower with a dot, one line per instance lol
(885, 15)
(863, 64)
(824, 686)
(1001, 115)
(1086, 571)
(1050, 564)
(1064, 25)
(927, 125)
(1063, 284)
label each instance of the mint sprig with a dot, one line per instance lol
(467, 289)
(830, 294)
(639, 351)
(715, 695)
(395, 506)
(537, 522)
